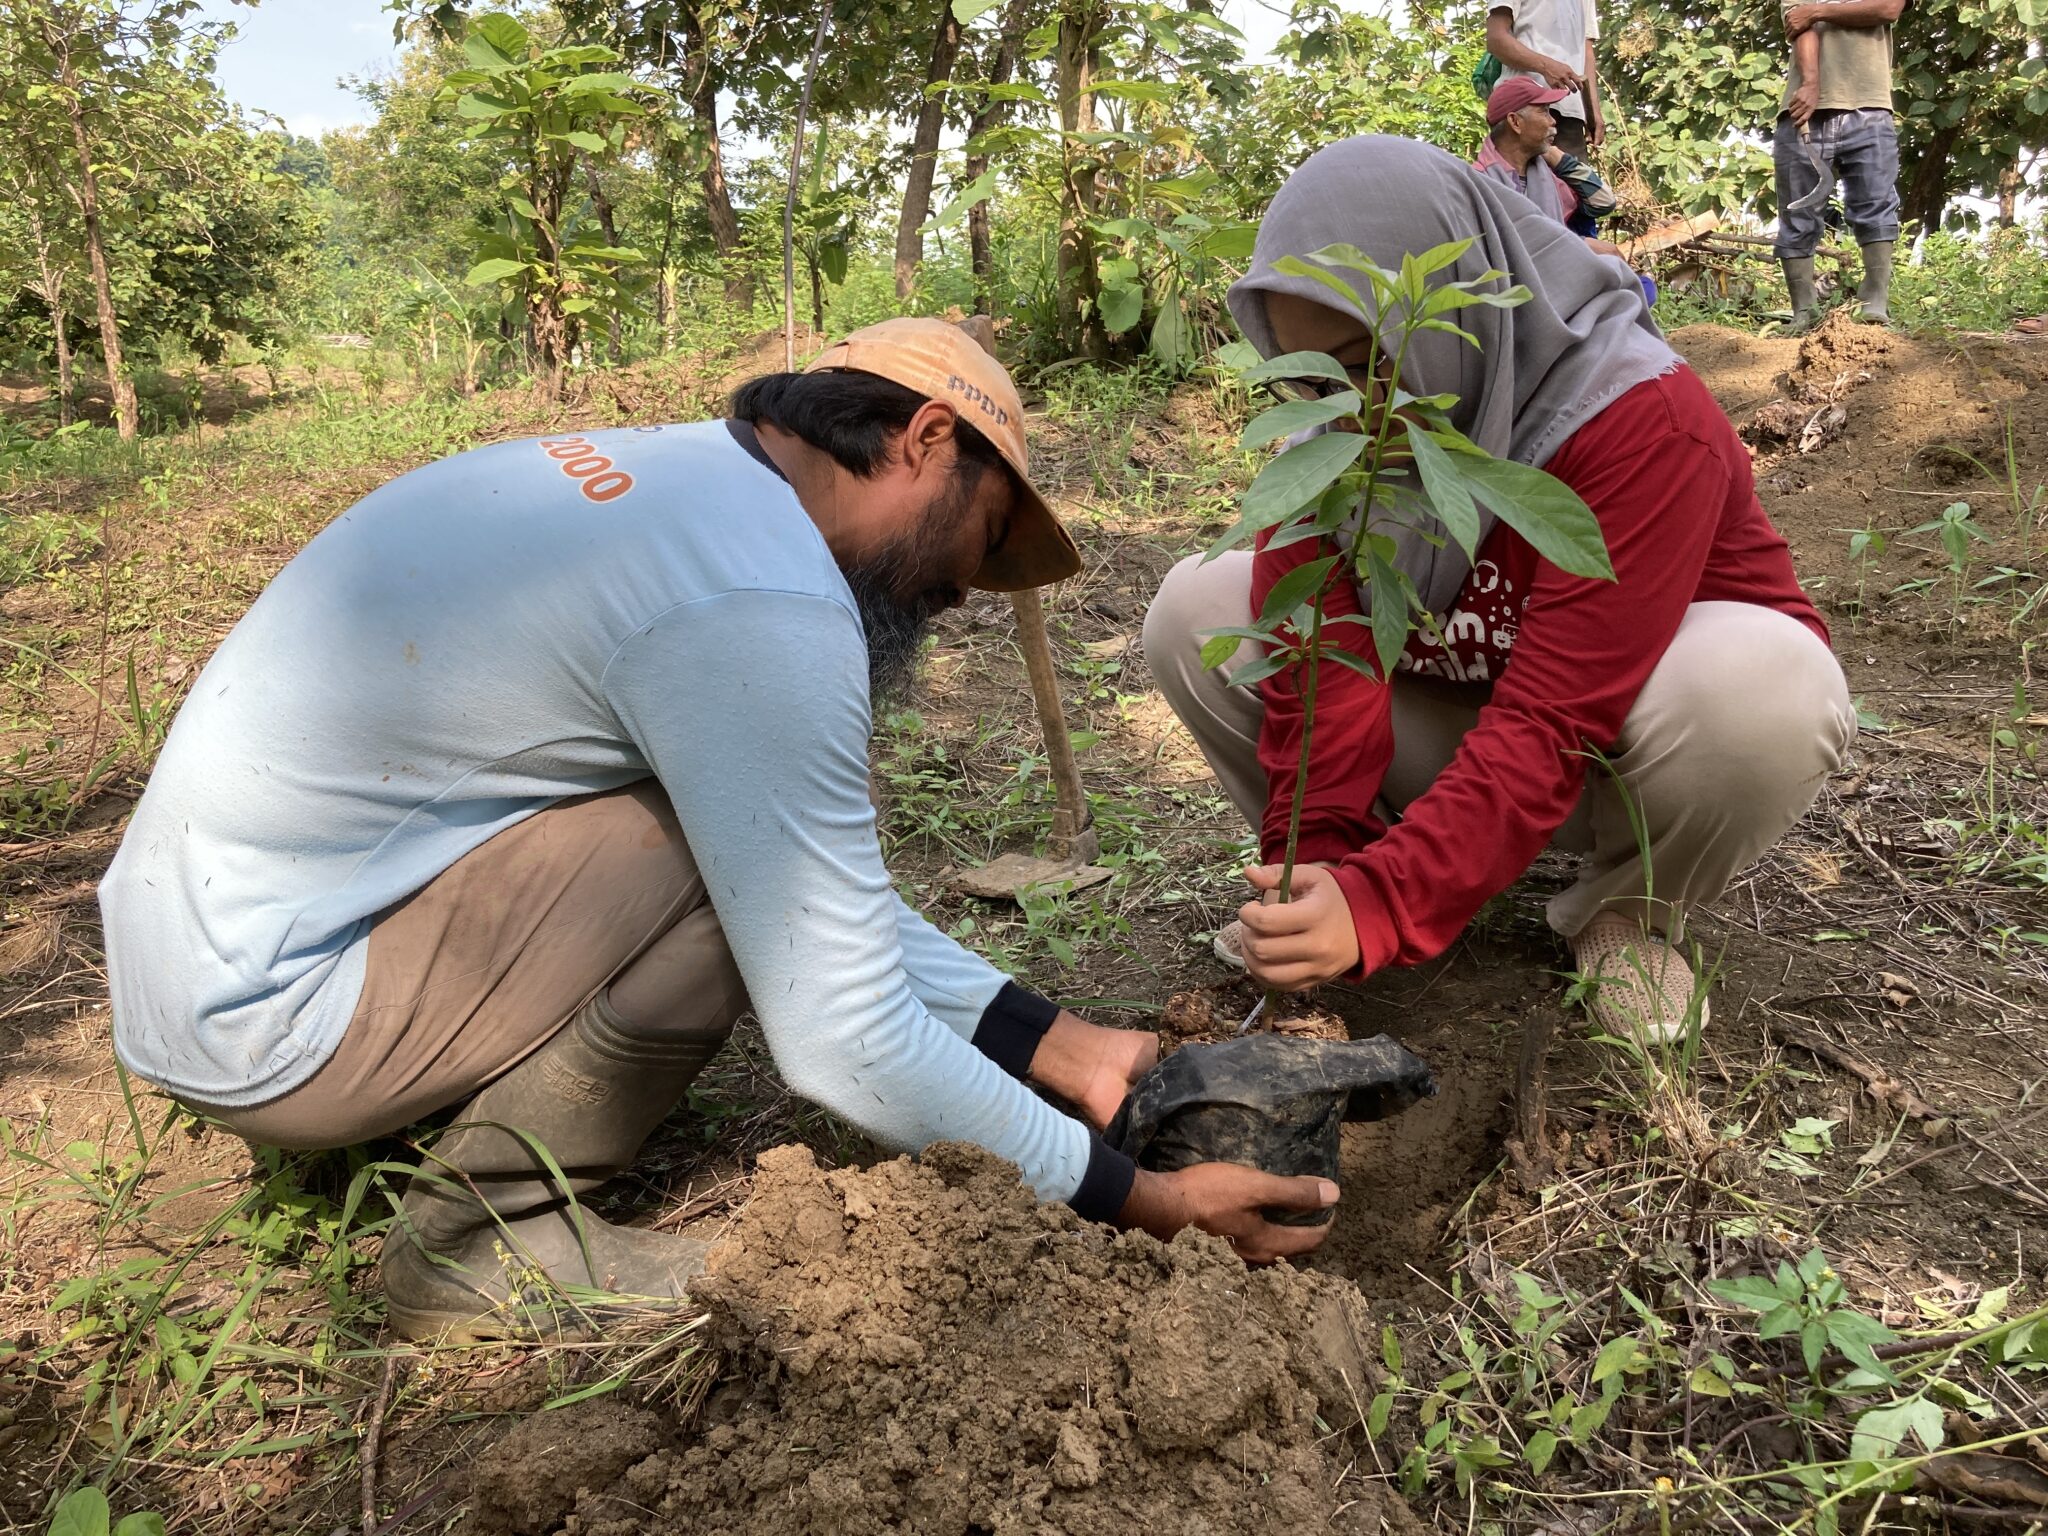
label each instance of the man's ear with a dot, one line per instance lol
(932, 425)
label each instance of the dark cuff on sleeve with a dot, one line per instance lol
(1015, 1020)
(1106, 1185)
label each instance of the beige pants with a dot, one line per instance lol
(1739, 725)
(476, 971)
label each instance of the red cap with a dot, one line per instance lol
(1517, 92)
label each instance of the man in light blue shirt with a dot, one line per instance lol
(539, 762)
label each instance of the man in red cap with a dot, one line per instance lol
(1521, 152)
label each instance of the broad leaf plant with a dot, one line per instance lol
(1353, 485)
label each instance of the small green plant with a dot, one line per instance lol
(85, 1512)
(1865, 545)
(1960, 534)
(1350, 488)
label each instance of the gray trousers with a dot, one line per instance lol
(1729, 742)
(1861, 152)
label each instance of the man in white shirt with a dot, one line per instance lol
(1552, 41)
(540, 761)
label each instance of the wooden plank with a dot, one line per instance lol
(1663, 236)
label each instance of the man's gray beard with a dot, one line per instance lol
(896, 626)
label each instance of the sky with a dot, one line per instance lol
(289, 55)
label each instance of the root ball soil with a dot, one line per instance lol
(923, 1346)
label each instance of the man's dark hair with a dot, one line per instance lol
(850, 415)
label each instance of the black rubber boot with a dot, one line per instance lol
(1800, 283)
(490, 1243)
(1874, 293)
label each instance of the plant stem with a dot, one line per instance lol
(1311, 665)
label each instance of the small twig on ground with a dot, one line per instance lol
(1884, 1088)
(373, 1437)
(1530, 1148)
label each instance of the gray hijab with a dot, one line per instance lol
(1540, 371)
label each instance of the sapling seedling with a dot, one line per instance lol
(1344, 487)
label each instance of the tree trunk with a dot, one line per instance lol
(127, 416)
(601, 205)
(2009, 183)
(725, 224)
(57, 323)
(924, 152)
(1926, 192)
(817, 295)
(1079, 280)
(980, 246)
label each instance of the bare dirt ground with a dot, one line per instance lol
(1873, 1081)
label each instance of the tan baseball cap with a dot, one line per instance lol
(944, 362)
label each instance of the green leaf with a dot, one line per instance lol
(1299, 365)
(1616, 1355)
(143, 1524)
(504, 34)
(1541, 1447)
(1390, 1349)
(497, 269)
(1258, 671)
(1707, 1382)
(1298, 476)
(979, 190)
(1881, 1433)
(967, 11)
(1296, 588)
(1377, 1415)
(1236, 356)
(590, 143)
(1218, 649)
(1229, 242)
(1122, 306)
(1294, 266)
(480, 106)
(83, 1513)
(1389, 612)
(1449, 495)
(1543, 510)
(1779, 1321)
(1292, 416)
(584, 85)
(1173, 337)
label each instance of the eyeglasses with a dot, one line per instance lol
(1321, 389)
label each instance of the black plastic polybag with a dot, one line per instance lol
(1273, 1102)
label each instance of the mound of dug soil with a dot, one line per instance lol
(922, 1346)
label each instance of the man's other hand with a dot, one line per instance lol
(1803, 103)
(1596, 125)
(1800, 17)
(1229, 1200)
(1303, 942)
(1092, 1067)
(1558, 75)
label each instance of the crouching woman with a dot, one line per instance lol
(1668, 726)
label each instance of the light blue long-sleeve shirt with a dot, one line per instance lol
(490, 634)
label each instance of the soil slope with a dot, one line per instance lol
(921, 1346)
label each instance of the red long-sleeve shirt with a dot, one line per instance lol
(1670, 483)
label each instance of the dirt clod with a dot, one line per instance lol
(954, 1356)
(529, 1481)
(1194, 1018)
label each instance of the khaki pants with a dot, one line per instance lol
(476, 971)
(1729, 742)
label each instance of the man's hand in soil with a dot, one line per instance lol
(1301, 943)
(1091, 1067)
(1227, 1200)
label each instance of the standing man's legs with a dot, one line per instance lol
(1867, 157)
(1799, 229)
(1571, 135)
(572, 975)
